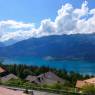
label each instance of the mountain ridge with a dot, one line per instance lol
(76, 46)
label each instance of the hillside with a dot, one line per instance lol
(2, 44)
(65, 46)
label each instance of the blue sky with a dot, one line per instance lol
(35, 10)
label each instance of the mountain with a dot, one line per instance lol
(2, 44)
(10, 42)
(76, 46)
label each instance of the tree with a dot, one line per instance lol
(89, 89)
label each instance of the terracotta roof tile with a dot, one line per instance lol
(2, 70)
(91, 80)
(80, 83)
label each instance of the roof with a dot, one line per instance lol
(31, 78)
(51, 76)
(81, 83)
(6, 91)
(91, 80)
(48, 77)
(8, 77)
(2, 70)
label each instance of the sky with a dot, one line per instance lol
(35, 10)
(22, 19)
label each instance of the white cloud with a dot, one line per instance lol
(66, 20)
(92, 11)
(69, 20)
(47, 27)
(10, 29)
(83, 11)
(15, 24)
(19, 35)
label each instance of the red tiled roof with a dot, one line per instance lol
(81, 83)
(91, 80)
(2, 70)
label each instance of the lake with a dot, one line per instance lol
(83, 67)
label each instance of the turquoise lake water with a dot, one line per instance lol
(80, 66)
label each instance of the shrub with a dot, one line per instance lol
(89, 89)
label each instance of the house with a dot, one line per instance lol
(46, 78)
(31, 78)
(3, 72)
(6, 91)
(91, 81)
(8, 77)
(81, 83)
(49, 78)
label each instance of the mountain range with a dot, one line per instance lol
(75, 46)
(2, 44)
